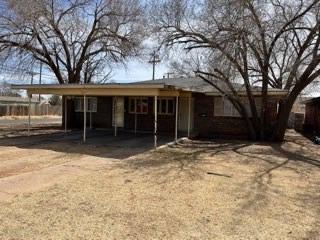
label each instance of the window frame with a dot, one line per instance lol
(166, 100)
(233, 112)
(142, 102)
(92, 107)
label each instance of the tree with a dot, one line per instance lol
(5, 90)
(75, 39)
(265, 44)
(55, 100)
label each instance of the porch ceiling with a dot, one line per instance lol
(101, 90)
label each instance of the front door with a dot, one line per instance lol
(184, 114)
(118, 111)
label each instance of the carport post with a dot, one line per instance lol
(155, 120)
(176, 125)
(135, 123)
(65, 114)
(114, 115)
(29, 113)
(84, 117)
(90, 119)
(189, 115)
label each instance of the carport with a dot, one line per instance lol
(116, 91)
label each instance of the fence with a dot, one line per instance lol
(36, 110)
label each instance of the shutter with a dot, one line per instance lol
(94, 103)
(228, 108)
(218, 106)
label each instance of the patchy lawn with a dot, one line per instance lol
(195, 190)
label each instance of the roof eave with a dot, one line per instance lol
(86, 86)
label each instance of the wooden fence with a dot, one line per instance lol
(36, 110)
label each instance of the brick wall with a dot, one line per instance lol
(101, 119)
(312, 117)
(145, 122)
(208, 125)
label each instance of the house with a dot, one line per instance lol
(178, 106)
(296, 117)
(16, 105)
(312, 115)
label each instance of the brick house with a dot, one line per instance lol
(312, 115)
(178, 106)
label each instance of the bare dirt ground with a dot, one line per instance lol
(193, 190)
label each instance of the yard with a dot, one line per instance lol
(54, 187)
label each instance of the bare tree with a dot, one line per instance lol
(74, 38)
(265, 44)
(5, 90)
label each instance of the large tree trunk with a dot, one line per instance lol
(283, 117)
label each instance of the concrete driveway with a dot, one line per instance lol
(29, 164)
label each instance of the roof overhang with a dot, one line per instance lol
(100, 89)
(280, 93)
(311, 101)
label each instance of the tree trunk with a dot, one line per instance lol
(283, 117)
(252, 128)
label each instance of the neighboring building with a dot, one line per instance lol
(312, 115)
(17, 106)
(299, 105)
(202, 110)
(296, 118)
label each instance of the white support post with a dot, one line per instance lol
(90, 119)
(65, 114)
(29, 114)
(155, 121)
(189, 115)
(115, 117)
(176, 125)
(84, 118)
(135, 123)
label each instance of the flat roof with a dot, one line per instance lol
(87, 86)
(146, 88)
(112, 89)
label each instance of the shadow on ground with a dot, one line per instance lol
(99, 143)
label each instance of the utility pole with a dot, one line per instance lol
(154, 60)
(32, 74)
(40, 79)
(169, 73)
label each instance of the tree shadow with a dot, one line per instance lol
(295, 154)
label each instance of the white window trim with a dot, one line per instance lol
(90, 108)
(167, 106)
(233, 112)
(135, 105)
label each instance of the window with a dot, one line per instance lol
(91, 103)
(165, 106)
(138, 105)
(223, 107)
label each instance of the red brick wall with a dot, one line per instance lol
(205, 123)
(312, 117)
(101, 119)
(145, 122)
(208, 125)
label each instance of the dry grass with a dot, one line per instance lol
(196, 190)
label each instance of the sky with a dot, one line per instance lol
(133, 71)
(138, 71)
